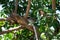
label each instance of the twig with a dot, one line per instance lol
(54, 4)
(16, 28)
(28, 8)
(10, 30)
(2, 19)
(16, 6)
(36, 36)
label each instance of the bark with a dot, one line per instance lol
(16, 6)
(10, 30)
(27, 10)
(54, 4)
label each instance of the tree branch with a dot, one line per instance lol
(54, 4)
(20, 20)
(28, 8)
(16, 6)
(10, 30)
(2, 19)
(16, 28)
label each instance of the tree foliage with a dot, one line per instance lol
(42, 12)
